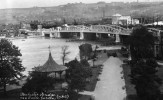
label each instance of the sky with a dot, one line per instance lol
(45, 3)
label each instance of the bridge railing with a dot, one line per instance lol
(49, 30)
(123, 30)
(97, 29)
(155, 32)
(104, 28)
(109, 28)
(70, 28)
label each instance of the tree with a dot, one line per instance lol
(34, 24)
(10, 64)
(147, 83)
(75, 22)
(141, 43)
(38, 82)
(143, 65)
(64, 21)
(84, 62)
(85, 51)
(64, 53)
(86, 66)
(76, 75)
(94, 55)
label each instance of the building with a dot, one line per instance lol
(24, 25)
(51, 68)
(160, 23)
(124, 20)
(9, 30)
(115, 18)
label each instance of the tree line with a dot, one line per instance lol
(144, 65)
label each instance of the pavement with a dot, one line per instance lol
(110, 85)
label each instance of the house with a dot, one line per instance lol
(115, 18)
(124, 20)
(9, 30)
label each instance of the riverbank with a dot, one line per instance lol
(100, 42)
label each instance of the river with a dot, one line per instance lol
(35, 51)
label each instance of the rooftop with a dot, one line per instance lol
(50, 66)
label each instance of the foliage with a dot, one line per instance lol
(64, 21)
(147, 83)
(85, 51)
(64, 53)
(114, 54)
(143, 66)
(34, 24)
(38, 82)
(51, 24)
(76, 75)
(94, 54)
(86, 67)
(84, 63)
(10, 64)
(141, 43)
(75, 22)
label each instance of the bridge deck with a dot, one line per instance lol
(104, 29)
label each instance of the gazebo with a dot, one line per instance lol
(51, 67)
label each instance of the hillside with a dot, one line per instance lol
(81, 11)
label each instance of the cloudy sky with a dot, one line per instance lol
(45, 3)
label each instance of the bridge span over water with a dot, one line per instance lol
(97, 30)
(94, 30)
(109, 29)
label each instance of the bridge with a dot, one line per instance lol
(97, 30)
(110, 29)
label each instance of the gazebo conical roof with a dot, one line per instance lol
(50, 66)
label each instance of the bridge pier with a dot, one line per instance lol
(58, 34)
(117, 38)
(43, 34)
(51, 34)
(81, 35)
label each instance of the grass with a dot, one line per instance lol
(160, 74)
(93, 80)
(84, 97)
(11, 95)
(96, 70)
(129, 87)
(130, 90)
